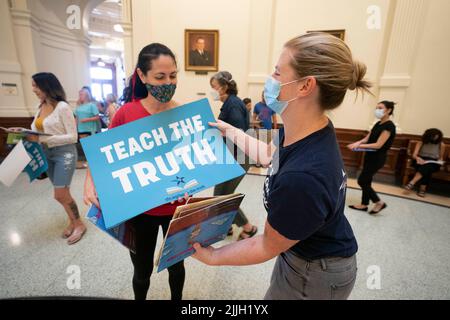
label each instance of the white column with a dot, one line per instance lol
(12, 101)
(405, 35)
(25, 27)
(141, 15)
(127, 24)
(260, 59)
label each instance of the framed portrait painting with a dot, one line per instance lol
(337, 33)
(201, 50)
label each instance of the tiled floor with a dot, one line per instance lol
(381, 188)
(408, 242)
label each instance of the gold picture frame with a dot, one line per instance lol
(337, 33)
(201, 49)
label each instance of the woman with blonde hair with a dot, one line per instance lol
(304, 193)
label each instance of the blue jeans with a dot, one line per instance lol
(62, 161)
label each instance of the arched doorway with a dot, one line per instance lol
(106, 49)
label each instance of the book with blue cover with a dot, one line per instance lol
(124, 232)
(202, 220)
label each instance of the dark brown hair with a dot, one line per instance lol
(49, 84)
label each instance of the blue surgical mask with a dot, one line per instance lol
(272, 91)
(379, 113)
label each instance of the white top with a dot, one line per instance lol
(61, 124)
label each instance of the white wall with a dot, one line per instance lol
(252, 34)
(411, 46)
(165, 22)
(297, 17)
(427, 101)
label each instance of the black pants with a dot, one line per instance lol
(426, 171)
(146, 229)
(372, 163)
(229, 187)
(81, 155)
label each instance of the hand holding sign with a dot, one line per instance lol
(222, 126)
(90, 196)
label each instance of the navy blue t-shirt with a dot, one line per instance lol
(234, 112)
(304, 195)
(265, 114)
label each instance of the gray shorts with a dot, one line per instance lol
(61, 164)
(294, 278)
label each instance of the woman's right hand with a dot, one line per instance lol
(222, 126)
(90, 194)
(354, 145)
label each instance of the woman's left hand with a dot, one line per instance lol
(32, 138)
(204, 255)
(180, 200)
(222, 126)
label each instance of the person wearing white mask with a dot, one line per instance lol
(234, 112)
(305, 190)
(378, 141)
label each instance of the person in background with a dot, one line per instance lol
(265, 115)
(233, 111)
(378, 142)
(268, 121)
(111, 107)
(150, 92)
(88, 117)
(55, 117)
(431, 148)
(305, 190)
(248, 105)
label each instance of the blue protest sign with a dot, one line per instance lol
(156, 160)
(38, 164)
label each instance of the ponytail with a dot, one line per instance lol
(135, 90)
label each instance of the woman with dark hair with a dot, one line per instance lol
(428, 157)
(55, 117)
(234, 112)
(377, 142)
(150, 92)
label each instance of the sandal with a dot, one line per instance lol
(76, 236)
(68, 231)
(409, 187)
(248, 233)
(421, 194)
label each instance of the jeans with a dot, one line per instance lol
(295, 278)
(61, 164)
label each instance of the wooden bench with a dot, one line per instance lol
(409, 171)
